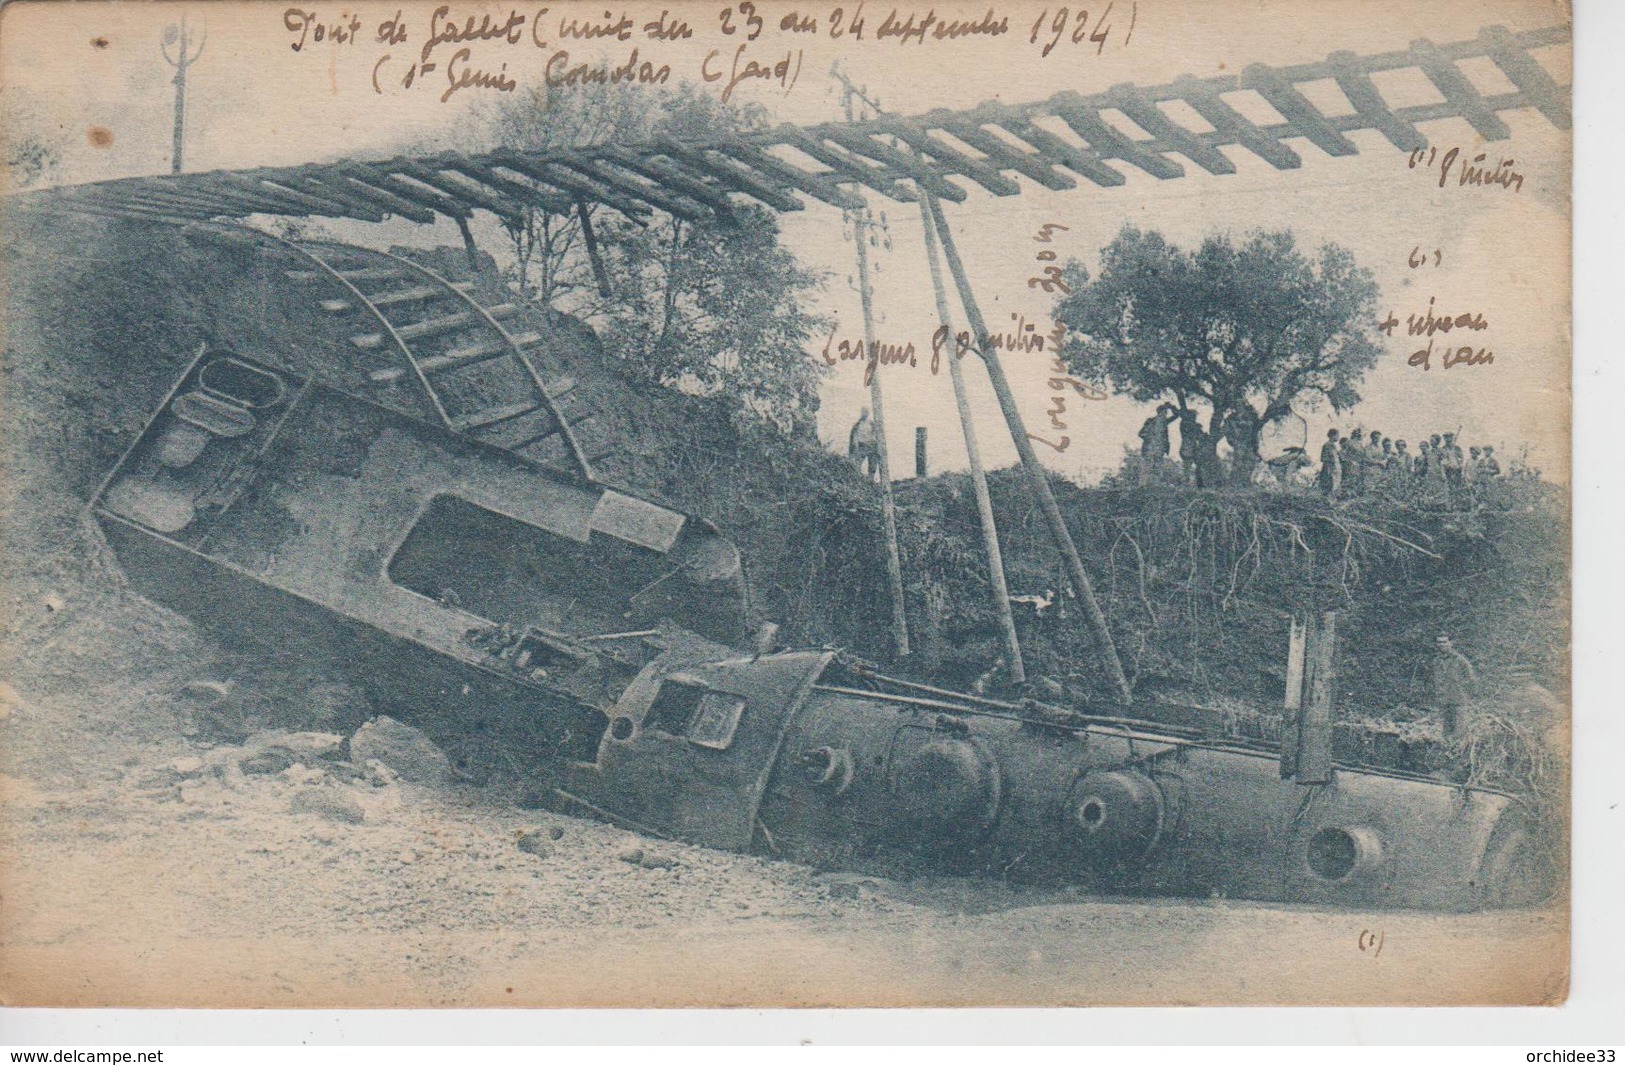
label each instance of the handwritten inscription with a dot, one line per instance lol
(1370, 942)
(311, 31)
(1480, 170)
(753, 50)
(1428, 323)
(1022, 336)
(1061, 379)
(1074, 26)
(562, 74)
(786, 71)
(1050, 281)
(1419, 258)
(874, 354)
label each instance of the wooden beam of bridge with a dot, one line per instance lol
(1052, 143)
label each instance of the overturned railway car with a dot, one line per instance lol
(476, 591)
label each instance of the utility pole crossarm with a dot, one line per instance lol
(184, 57)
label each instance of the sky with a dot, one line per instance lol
(92, 75)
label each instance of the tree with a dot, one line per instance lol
(1248, 330)
(712, 308)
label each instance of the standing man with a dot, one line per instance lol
(1451, 679)
(1454, 465)
(1330, 479)
(1353, 463)
(863, 446)
(1373, 450)
(1402, 459)
(1154, 442)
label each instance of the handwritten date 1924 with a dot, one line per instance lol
(1073, 25)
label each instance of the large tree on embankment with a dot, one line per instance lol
(1245, 329)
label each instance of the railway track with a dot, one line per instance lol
(403, 324)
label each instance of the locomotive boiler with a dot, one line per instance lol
(483, 595)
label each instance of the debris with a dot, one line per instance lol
(647, 859)
(328, 803)
(188, 766)
(536, 843)
(407, 857)
(410, 754)
(301, 745)
(54, 603)
(266, 763)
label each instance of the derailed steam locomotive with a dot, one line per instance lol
(604, 635)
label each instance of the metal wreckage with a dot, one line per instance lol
(424, 514)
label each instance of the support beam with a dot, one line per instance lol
(984, 503)
(1313, 763)
(1105, 647)
(1292, 702)
(600, 273)
(470, 249)
(894, 560)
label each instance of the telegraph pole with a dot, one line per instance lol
(894, 560)
(183, 58)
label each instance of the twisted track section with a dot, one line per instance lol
(476, 373)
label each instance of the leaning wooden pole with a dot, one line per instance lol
(894, 560)
(1036, 478)
(973, 451)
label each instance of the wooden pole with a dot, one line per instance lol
(894, 561)
(1292, 704)
(1036, 478)
(888, 509)
(973, 451)
(1314, 761)
(470, 249)
(600, 273)
(183, 59)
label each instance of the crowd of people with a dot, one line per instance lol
(1351, 466)
(1361, 463)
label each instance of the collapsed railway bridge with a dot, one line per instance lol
(307, 337)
